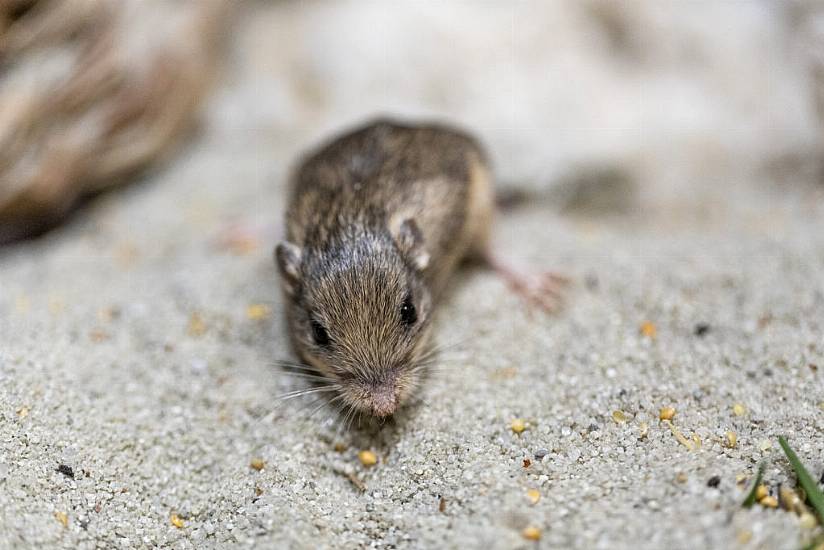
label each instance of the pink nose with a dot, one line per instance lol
(383, 401)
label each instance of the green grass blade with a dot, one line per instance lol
(814, 495)
(750, 500)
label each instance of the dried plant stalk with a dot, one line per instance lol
(93, 90)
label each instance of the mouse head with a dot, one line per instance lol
(359, 312)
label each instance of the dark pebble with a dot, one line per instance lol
(541, 453)
(714, 481)
(701, 329)
(66, 470)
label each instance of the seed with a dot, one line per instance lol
(62, 518)
(681, 477)
(761, 492)
(23, 412)
(739, 410)
(732, 439)
(531, 533)
(619, 417)
(176, 521)
(765, 445)
(368, 458)
(666, 413)
(257, 464)
(196, 325)
(518, 425)
(648, 329)
(533, 495)
(807, 521)
(258, 312)
(744, 537)
(769, 502)
(643, 430)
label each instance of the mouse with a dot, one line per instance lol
(378, 219)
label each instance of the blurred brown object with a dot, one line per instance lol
(92, 91)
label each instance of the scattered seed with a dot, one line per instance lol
(769, 502)
(65, 470)
(744, 537)
(739, 409)
(97, 335)
(666, 413)
(807, 521)
(533, 495)
(62, 518)
(531, 533)
(356, 481)
(258, 491)
(23, 412)
(339, 447)
(732, 439)
(257, 464)
(761, 492)
(643, 430)
(787, 497)
(196, 325)
(258, 312)
(648, 329)
(368, 458)
(176, 521)
(619, 417)
(681, 477)
(518, 425)
(679, 436)
(714, 481)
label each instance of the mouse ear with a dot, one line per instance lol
(287, 258)
(410, 242)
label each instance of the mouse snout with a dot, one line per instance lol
(383, 400)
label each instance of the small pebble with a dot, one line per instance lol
(176, 521)
(65, 470)
(714, 481)
(765, 445)
(518, 425)
(666, 413)
(368, 458)
(701, 329)
(531, 533)
(196, 325)
(540, 454)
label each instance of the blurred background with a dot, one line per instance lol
(608, 104)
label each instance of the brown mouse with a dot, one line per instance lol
(377, 221)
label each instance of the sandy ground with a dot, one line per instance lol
(129, 354)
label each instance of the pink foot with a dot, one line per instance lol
(542, 290)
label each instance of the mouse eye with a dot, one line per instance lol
(319, 334)
(408, 313)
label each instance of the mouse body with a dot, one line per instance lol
(377, 220)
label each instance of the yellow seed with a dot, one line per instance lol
(769, 502)
(643, 430)
(368, 458)
(196, 325)
(666, 413)
(788, 498)
(761, 492)
(744, 537)
(696, 441)
(821, 405)
(740, 478)
(62, 518)
(531, 533)
(619, 417)
(681, 477)
(257, 464)
(732, 439)
(648, 329)
(176, 521)
(534, 495)
(739, 409)
(518, 425)
(23, 412)
(258, 312)
(807, 521)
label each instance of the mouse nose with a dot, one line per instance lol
(384, 401)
